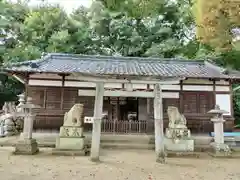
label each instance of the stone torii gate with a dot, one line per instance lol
(98, 108)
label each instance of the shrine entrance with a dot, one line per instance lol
(128, 109)
(123, 116)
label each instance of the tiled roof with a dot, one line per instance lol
(128, 66)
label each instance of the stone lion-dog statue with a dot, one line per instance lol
(175, 118)
(74, 116)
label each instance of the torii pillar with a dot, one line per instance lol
(96, 128)
(158, 124)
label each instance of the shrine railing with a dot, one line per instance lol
(128, 127)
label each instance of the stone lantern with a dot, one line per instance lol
(21, 101)
(218, 145)
(26, 144)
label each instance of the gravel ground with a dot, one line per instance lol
(121, 165)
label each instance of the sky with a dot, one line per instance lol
(68, 5)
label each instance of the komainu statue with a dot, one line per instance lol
(175, 118)
(178, 136)
(71, 136)
(74, 116)
(177, 128)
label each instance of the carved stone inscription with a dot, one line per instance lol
(71, 131)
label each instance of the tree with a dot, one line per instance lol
(3, 24)
(215, 20)
(9, 87)
(135, 8)
(129, 34)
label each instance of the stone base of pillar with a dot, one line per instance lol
(95, 159)
(26, 147)
(220, 150)
(161, 157)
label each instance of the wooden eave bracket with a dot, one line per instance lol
(19, 76)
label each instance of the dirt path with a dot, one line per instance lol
(116, 165)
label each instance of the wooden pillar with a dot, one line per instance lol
(26, 86)
(181, 98)
(62, 92)
(214, 94)
(96, 130)
(149, 122)
(158, 124)
(231, 99)
(148, 114)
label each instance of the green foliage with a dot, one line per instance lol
(131, 35)
(143, 28)
(9, 89)
(236, 103)
(135, 8)
(215, 19)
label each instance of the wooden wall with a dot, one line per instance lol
(55, 101)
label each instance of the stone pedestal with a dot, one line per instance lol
(26, 147)
(70, 138)
(182, 145)
(179, 140)
(70, 141)
(220, 150)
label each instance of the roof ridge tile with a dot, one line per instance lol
(125, 58)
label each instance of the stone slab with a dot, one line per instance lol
(26, 147)
(184, 154)
(70, 143)
(186, 145)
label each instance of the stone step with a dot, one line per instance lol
(126, 138)
(199, 148)
(127, 146)
(138, 141)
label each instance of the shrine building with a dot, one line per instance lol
(58, 81)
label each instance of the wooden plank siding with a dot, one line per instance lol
(55, 101)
